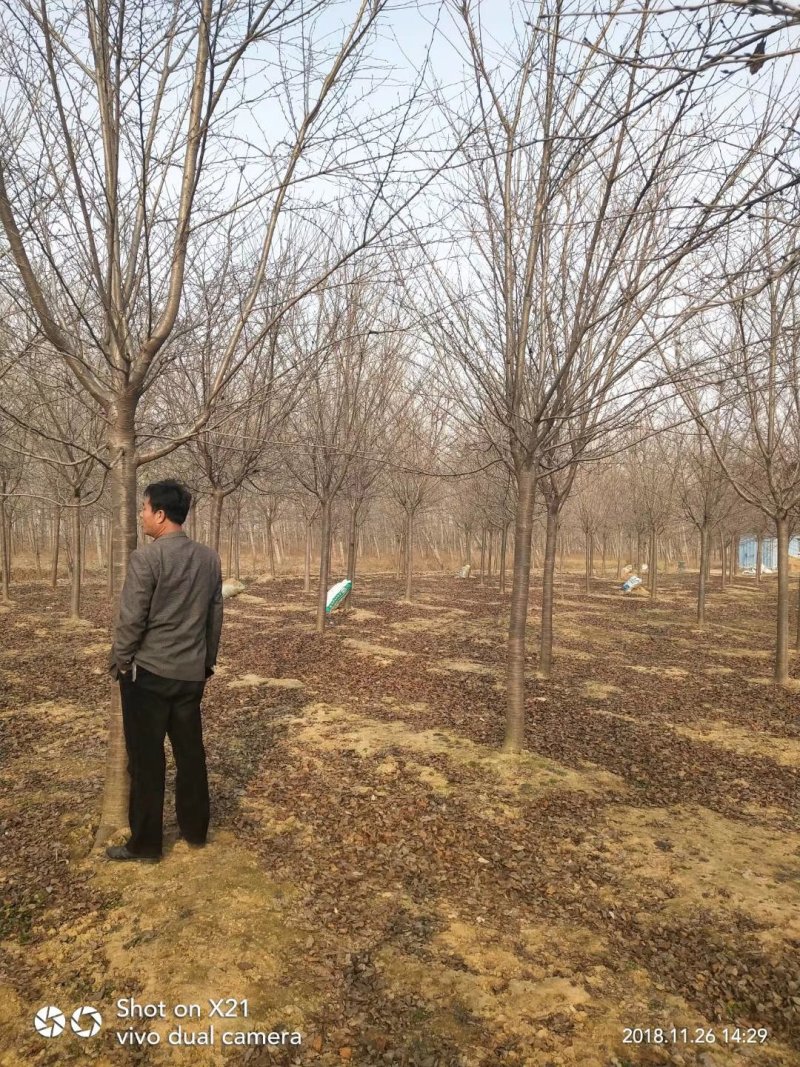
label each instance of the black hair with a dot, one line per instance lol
(171, 497)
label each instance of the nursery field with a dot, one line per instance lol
(379, 878)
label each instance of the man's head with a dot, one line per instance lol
(164, 507)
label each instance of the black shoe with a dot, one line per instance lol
(190, 843)
(122, 852)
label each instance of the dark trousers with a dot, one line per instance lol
(153, 707)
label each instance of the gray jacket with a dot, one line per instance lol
(170, 612)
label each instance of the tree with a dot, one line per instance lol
(346, 394)
(570, 175)
(704, 492)
(750, 368)
(104, 106)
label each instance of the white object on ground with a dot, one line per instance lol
(632, 583)
(232, 587)
(336, 594)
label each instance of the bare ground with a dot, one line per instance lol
(380, 878)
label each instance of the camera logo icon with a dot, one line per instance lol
(86, 1021)
(49, 1021)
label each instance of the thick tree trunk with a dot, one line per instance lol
(468, 544)
(77, 559)
(483, 556)
(520, 588)
(758, 558)
(723, 560)
(546, 639)
(215, 518)
(114, 814)
(701, 580)
(489, 555)
(324, 565)
(782, 648)
(409, 552)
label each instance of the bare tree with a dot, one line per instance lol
(346, 394)
(704, 493)
(752, 374)
(95, 127)
(568, 183)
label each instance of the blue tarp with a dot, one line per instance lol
(769, 551)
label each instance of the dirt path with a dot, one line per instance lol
(381, 880)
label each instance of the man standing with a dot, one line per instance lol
(165, 646)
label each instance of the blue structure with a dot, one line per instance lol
(769, 552)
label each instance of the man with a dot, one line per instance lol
(165, 646)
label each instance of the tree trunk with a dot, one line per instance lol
(653, 564)
(797, 635)
(503, 547)
(251, 537)
(114, 814)
(724, 559)
(546, 639)
(37, 553)
(483, 556)
(782, 649)
(489, 555)
(307, 573)
(4, 589)
(758, 559)
(352, 543)
(701, 580)
(271, 549)
(56, 526)
(515, 669)
(77, 559)
(588, 560)
(324, 565)
(237, 541)
(468, 542)
(110, 561)
(619, 556)
(409, 552)
(217, 501)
